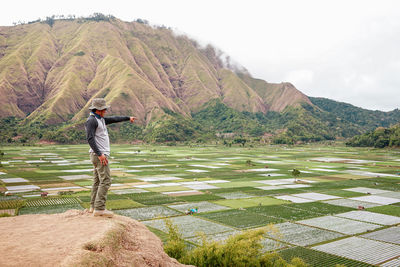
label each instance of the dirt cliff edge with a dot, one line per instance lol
(76, 238)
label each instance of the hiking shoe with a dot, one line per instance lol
(90, 210)
(104, 213)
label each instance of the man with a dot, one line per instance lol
(97, 137)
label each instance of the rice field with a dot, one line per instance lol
(344, 196)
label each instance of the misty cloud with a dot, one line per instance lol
(302, 78)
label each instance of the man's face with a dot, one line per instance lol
(102, 112)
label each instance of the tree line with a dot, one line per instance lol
(381, 137)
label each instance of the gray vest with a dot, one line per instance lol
(101, 137)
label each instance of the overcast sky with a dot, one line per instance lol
(345, 50)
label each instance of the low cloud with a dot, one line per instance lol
(302, 78)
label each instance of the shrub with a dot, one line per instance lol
(244, 249)
(50, 20)
(79, 54)
(175, 246)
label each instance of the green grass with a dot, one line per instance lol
(341, 184)
(85, 198)
(249, 202)
(238, 184)
(234, 189)
(320, 208)
(387, 209)
(318, 259)
(240, 218)
(117, 204)
(83, 183)
(111, 196)
(283, 211)
(276, 192)
(49, 209)
(152, 198)
(80, 193)
(51, 201)
(123, 180)
(34, 176)
(163, 236)
(342, 193)
(167, 188)
(202, 197)
(12, 204)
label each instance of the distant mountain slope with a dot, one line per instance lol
(380, 137)
(366, 119)
(50, 72)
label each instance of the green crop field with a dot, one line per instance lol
(234, 188)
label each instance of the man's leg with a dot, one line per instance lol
(96, 180)
(104, 184)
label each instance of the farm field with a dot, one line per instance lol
(344, 197)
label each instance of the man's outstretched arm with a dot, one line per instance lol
(115, 119)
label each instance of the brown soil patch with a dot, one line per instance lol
(73, 190)
(123, 186)
(186, 194)
(76, 238)
(44, 142)
(120, 174)
(138, 183)
(28, 169)
(44, 186)
(331, 178)
(351, 176)
(241, 171)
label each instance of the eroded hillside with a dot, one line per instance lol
(50, 73)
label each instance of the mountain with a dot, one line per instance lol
(50, 70)
(178, 90)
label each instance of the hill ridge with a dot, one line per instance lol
(50, 72)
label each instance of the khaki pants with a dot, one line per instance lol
(101, 183)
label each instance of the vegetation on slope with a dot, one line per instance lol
(366, 119)
(243, 249)
(51, 69)
(380, 138)
(214, 121)
(295, 124)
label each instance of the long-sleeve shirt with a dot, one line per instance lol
(97, 134)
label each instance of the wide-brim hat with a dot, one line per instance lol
(99, 104)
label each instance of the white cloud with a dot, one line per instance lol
(300, 78)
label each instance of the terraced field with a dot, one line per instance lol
(343, 209)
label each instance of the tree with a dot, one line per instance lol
(296, 173)
(240, 140)
(50, 20)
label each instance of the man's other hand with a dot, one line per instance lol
(103, 159)
(132, 119)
